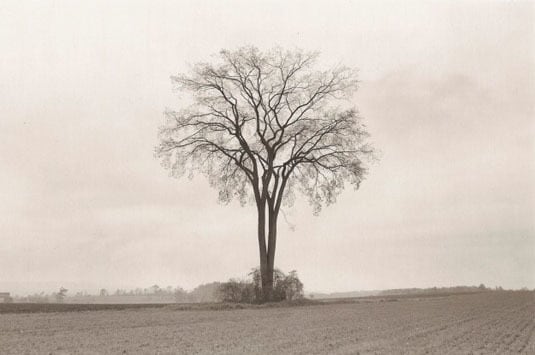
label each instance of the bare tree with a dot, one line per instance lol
(262, 126)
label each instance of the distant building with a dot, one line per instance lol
(5, 297)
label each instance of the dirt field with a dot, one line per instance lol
(493, 322)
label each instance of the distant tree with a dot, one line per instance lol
(264, 125)
(38, 298)
(154, 289)
(482, 287)
(103, 292)
(180, 295)
(60, 296)
(204, 293)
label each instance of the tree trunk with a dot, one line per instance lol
(267, 254)
(267, 274)
(267, 286)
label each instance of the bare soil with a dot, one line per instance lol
(483, 323)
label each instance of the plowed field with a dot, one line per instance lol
(483, 323)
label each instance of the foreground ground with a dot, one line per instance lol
(492, 322)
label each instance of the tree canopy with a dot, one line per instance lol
(265, 125)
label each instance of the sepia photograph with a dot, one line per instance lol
(267, 177)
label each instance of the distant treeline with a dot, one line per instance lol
(210, 292)
(153, 294)
(407, 291)
(432, 290)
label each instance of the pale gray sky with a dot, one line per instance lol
(447, 92)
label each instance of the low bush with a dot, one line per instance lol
(285, 288)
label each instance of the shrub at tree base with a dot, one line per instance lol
(285, 288)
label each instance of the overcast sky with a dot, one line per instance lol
(447, 91)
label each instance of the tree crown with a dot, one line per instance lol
(270, 121)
